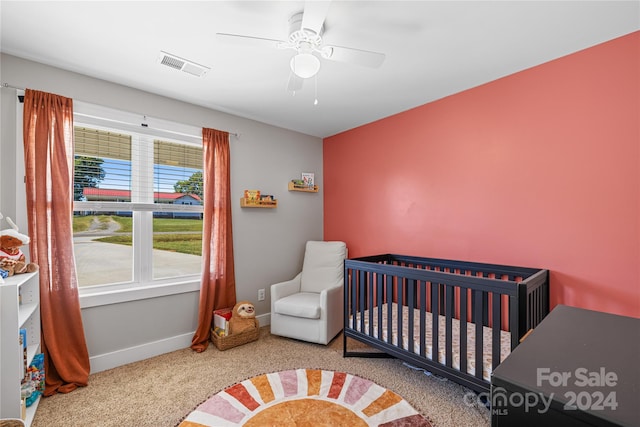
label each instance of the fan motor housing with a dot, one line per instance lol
(296, 30)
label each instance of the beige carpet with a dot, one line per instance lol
(162, 390)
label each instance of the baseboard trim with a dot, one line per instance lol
(105, 361)
(102, 362)
(264, 319)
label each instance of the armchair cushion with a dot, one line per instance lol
(303, 304)
(323, 265)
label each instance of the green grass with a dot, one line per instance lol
(182, 243)
(184, 235)
(170, 224)
(126, 223)
(120, 239)
(81, 223)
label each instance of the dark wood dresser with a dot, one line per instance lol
(577, 368)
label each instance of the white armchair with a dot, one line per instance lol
(310, 307)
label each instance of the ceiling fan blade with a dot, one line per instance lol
(248, 40)
(365, 58)
(315, 12)
(295, 83)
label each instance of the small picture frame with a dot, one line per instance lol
(308, 178)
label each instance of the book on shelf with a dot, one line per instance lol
(23, 344)
(267, 199)
(221, 319)
(252, 196)
(308, 179)
(37, 372)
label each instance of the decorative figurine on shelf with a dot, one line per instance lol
(12, 259)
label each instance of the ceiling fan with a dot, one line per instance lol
(305, 38)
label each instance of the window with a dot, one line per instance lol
(138, 204)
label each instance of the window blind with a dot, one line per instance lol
(120, 171)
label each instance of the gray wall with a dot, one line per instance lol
(268, 243)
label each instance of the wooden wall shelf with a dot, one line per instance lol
(244, 203)
(303, 189)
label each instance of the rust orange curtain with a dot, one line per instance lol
(48, 155)
(218, 285)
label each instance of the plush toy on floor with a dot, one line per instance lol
(12, 259)
(243, 318)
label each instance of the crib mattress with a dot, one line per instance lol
(505, 337)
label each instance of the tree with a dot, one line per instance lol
(88, 172)
(193, 185)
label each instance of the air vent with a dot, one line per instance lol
(182, 64)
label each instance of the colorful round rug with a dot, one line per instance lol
(305, 397)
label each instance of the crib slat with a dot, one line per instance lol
(423, 324)
(390, 280)
(361, 299)
(369, 304)
(536, 310)
(531, 309)
(513, 321)
(485, 304)
(448, 326)
(400, 319)
(380, 289)
(435, 323)
(352, 295)
(463, 330)
(478, 316)
(411, 304)
(496, 309)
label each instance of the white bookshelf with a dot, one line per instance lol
(13, 316)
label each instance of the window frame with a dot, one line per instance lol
(143, 285)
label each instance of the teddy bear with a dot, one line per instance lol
(12, 259)
(243, 318)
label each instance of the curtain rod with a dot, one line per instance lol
(7, 85)
(12, 87)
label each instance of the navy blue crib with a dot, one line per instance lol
(455, 319)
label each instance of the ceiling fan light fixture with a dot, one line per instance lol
(305, 65)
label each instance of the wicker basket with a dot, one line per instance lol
(230, 341)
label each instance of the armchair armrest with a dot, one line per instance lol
(332, 297)
(332, 310)
(284, 289)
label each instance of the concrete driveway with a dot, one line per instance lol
(100, 263)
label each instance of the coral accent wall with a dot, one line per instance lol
(537, 169)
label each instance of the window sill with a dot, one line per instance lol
(135, 293)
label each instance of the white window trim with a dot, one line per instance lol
(97, 115)
(98, 295)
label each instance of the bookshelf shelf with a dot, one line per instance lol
(19, 309)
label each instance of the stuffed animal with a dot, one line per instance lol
(243, 318)
(12, 259)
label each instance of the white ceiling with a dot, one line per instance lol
(433, 49)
